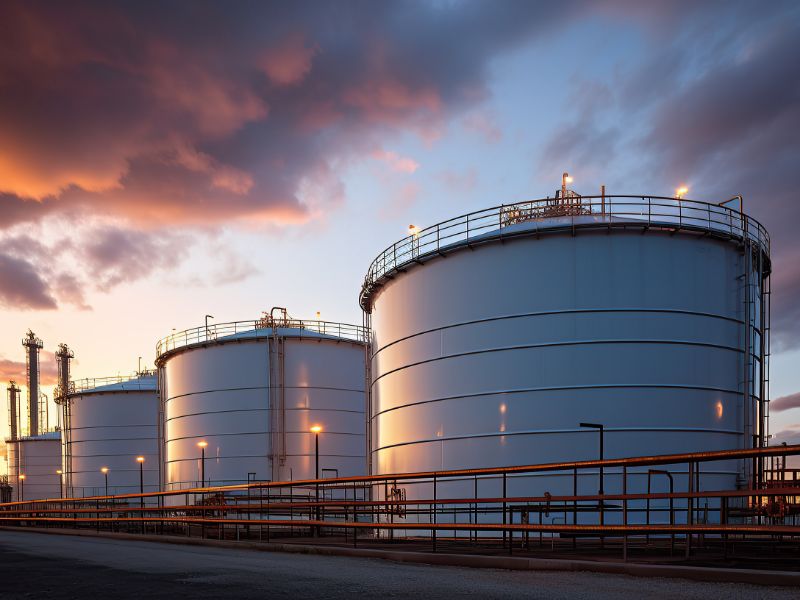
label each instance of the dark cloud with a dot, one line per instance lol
(785, 402)
(193, 112)
(115, 255)
(21, 286)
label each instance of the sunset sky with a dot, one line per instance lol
(160, 161)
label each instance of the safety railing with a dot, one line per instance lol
(298, 327)
(554, 214)
(645, 511)
(135, 381)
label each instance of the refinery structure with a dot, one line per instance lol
(559, 367)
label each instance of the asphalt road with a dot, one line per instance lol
(53, 566)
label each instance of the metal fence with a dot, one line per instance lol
(683, 520)
(550, 215)
(299, 327)
(130, 382)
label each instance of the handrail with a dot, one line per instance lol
(555, 214)
(635, 461)
(299, 327)
(90, 383)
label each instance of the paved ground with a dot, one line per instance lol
(53, 566)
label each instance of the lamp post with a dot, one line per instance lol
(104, 471)
(140, 460)
(60, 474)
(316, 429)
(21, 488)
(202, 445)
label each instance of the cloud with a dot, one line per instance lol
(21, 286)
(114, 255)
(11, 370)
(289, 61)
(785, 402)
(401, 164)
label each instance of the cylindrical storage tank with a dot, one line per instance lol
(38, 458)
(110, 423)
(252, 391)
(496, 334)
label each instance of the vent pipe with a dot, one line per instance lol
(33, 344)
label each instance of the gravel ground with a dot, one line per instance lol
(52, 566)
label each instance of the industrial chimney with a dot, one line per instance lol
(13, 409)
(33, 345)
(63, 356)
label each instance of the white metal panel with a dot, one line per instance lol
(111, 429)
(38, 458)
(220, 393)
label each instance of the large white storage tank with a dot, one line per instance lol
(38, 459)
(109, 423)
(252, 390)
(497, 333)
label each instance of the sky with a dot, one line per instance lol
(160, 161)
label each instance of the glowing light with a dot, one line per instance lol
(719, 408)
(316, 429)
(681, 192)
(59, 472)
(413, 230)
(22, 476)
(104, 470)
(568, 179)
(503, 408)
(140, 459)
(317, 315)
(202, 444)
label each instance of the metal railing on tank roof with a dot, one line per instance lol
(558, 214)
(131, 381)
(215, 331)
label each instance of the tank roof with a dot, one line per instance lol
(220, 333)
(557, 215)
(143, 382)
(49, 435)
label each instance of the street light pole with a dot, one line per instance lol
(60, 474)
(140, 460)
(21, 488)
(104, 471)
(316, 429)
(202, 446)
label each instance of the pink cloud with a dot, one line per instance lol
(289, 62)
(401, 164)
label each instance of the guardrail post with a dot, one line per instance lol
(433, 531)
(689, 508)
(625, 511)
